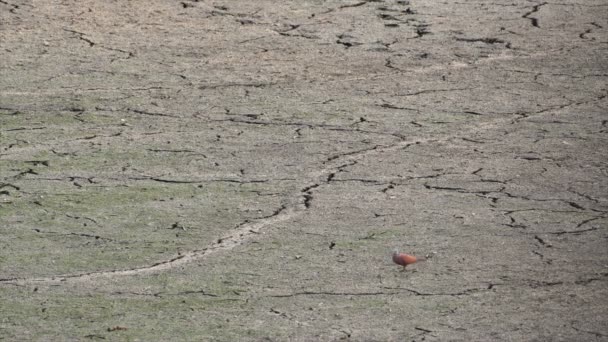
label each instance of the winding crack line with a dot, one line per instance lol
(244, 232)
(536, 8)
(143, 112)
(235, 238)
(301, 125)
(426, 91)
(327, 293)
(393, 291)
(83, 36)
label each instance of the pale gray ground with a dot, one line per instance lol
(240, 170)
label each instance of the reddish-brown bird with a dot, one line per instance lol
(403, 259)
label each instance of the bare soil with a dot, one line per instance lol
(242, 170)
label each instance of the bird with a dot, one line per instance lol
(403, 259)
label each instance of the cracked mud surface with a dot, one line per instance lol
(241, 170)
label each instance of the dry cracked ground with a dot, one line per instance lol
(241, 170)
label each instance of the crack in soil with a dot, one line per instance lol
(595, 333)
(534, 21)
(236, 237)
(82, 36)
(299, 203)
(96, 237)
(379, 293)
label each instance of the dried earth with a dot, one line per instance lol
(241, 170)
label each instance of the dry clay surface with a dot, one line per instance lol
(241, 170)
